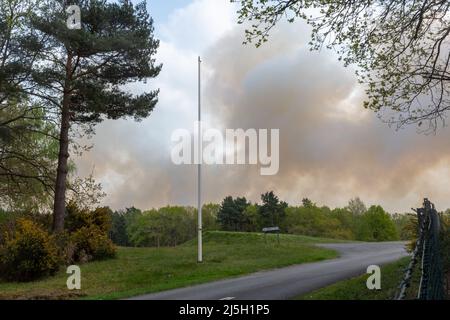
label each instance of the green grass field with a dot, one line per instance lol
(356, 289)
(143, 270)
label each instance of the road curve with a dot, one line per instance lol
(288, 282)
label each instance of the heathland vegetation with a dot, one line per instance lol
(29, 250)
(129, 252)
(137, 271)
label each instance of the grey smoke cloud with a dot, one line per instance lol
(331, 149)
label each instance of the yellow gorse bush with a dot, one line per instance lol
(28, 253)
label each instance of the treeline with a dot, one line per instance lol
(173, 225)
(168, 226)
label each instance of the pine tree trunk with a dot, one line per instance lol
(63, 156)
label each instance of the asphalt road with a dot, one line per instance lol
(288, 282)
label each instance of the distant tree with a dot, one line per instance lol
(400, 48)
(131, 213)
(118, 233)
(145, 230)
(307, 203)
(231, 213)
(376, 225)
(406, 225)
(79, 75)
(272, 211)
(316, 222)
(209, 215)
(168, 226)
(251, 221)
(228, 216)
(347, 222)
(178, 224)
(356, 206)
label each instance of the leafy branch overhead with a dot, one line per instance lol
(400, 48)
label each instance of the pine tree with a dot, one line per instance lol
(80, 73)
(272, 211)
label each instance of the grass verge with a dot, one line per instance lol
(144, 270)
(356, 289)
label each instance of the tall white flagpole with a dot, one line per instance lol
(200, 159)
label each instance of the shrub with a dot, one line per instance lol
(29, 253)
(77, 218)
(89, 243)
(8, 221)
(86, 235)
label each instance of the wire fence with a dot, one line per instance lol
(427, 254)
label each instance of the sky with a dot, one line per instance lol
(331, 148)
